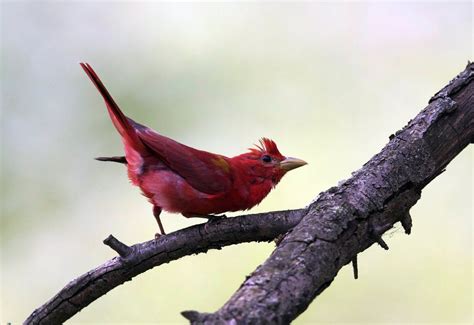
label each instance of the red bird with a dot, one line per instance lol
(195, 183)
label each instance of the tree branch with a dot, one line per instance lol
(339, 224)
(139, 258)
(349, 218)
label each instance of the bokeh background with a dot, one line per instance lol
(328, 81)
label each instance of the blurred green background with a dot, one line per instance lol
(328, 81)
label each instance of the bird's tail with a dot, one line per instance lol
(120, 121)
(117, 159)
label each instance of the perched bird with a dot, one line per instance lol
(195, 183)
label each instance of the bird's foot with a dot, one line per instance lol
(214, 218)
(158, 235)
(205, 216)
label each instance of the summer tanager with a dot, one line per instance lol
(195, 183)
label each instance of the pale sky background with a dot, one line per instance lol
(329, 82)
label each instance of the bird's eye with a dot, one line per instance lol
(266, 159)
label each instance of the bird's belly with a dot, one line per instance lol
(172, 193)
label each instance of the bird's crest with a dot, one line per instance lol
(266, 145)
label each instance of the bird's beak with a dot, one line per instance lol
(290, 163)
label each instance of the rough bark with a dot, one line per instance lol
(347, 219)
(139, 258)
(339, 224)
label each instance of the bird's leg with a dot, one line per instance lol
(156, 213)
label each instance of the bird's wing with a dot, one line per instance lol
(206, 172)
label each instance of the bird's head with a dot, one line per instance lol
(265, 162)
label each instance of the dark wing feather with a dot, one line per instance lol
(206, 172)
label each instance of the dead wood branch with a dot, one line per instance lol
(347, 219)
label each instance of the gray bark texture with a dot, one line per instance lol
(328, 234)
(347, 219)
(139, 258)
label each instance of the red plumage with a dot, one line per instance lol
(178, 178)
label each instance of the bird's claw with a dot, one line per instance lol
(212, 218)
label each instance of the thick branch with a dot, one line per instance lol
(347, 219)
(139, 258)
